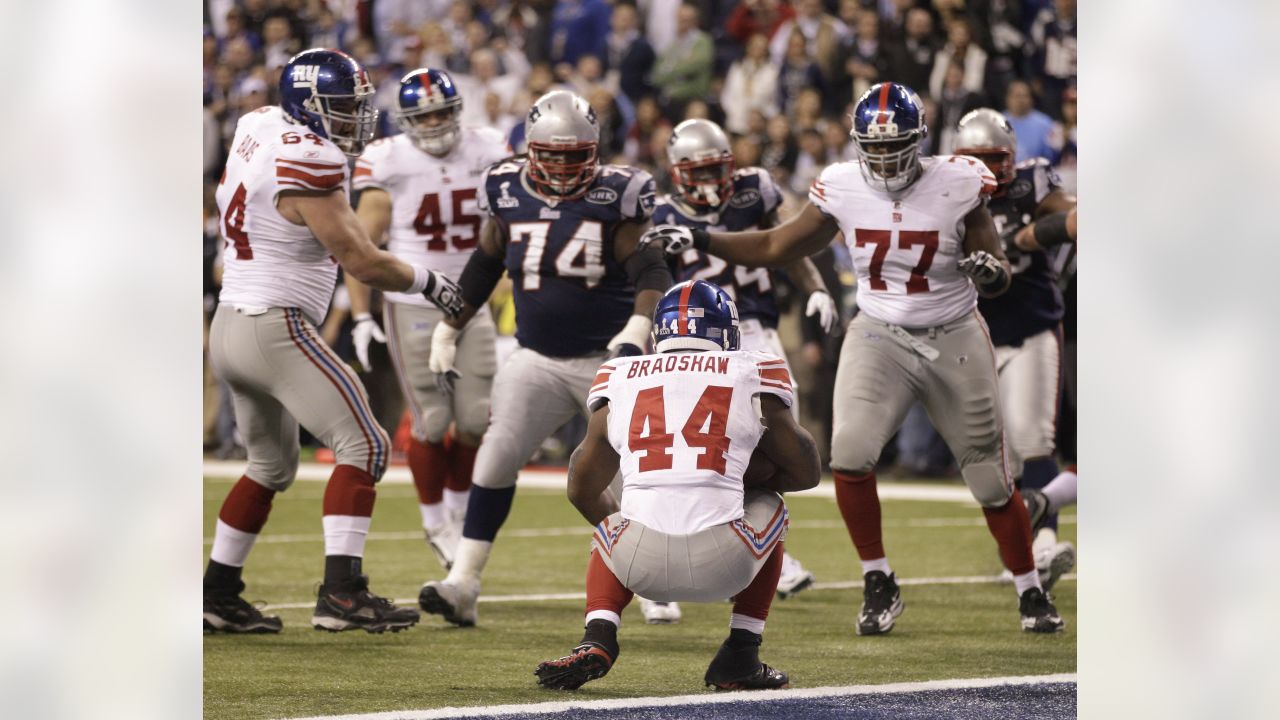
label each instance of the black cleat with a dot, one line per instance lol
(737, 666)
(1038, 614)
(1037, 508)
(225, 611)
(351, 606)
(590, 660)
(881, 603)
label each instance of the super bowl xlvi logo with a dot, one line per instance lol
(602, 196)
(305, 75)
(506, 201)
(746, 198)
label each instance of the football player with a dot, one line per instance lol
(420, 187)
(565, 228)
(1026, 321)
(924, 247)
(705, 440)
(710, 194)
(284, 209)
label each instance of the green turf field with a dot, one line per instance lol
(946, 630)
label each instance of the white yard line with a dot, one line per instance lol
(707, 698)
(555, 480)
(841, 585)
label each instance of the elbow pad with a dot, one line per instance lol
(647, 269)
(1051, 230)
(479, 277)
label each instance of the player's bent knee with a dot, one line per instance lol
(276, 476)
(854, 457)
(473, 424)
(433, 426)
(986, 481)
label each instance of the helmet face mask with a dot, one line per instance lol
(349, 121)
(701, 164)
(888, 127)
(564, 170)
(563, 139)
(330, 93)
(429, 111)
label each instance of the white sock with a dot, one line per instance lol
(1026, 581)
(1061, 491)
(609, 615)
(231, 546)
(455, 502)
(746, 622)
(469, 560)
(881, 564)
(345, 534)
(432, 516)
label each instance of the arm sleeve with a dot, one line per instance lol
(599, 394)
(772, 378)
(373, 168)
(818, 191)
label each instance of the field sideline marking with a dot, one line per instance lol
(585, 530)
(707, 698)
(841, 585)
(556, 479)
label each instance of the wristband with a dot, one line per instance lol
(701, 239)
(421, 279)
(361, 317)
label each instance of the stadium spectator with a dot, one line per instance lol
(779, 153)
(751, 85)
(482, 81)
(893, 20)
(396, 23)
(997, 28)
(797, 72)
(836, 138)
(578, 27)
(684, 69)
(237, 29)
(807, 112)
(456, 25)
(960, 49)
(630, 57)
(587, 76)
(954, 101)
(661, 18)
(757, 17)
(278, 42)
(1032, 127)
(522, 29)
(613, 131)
(912, 59)
(823, 33)
(640, 146)
(1063, 140)
(863, 61)
(810, 161)
(1053, 51)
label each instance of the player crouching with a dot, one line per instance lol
(701, 518)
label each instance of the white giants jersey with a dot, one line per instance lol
(905, 245)
(685, 426)
(434, 220)
(268, 261)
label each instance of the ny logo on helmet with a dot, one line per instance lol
(305, 75)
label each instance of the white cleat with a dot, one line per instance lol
(660, 613)
(443, 542)
(794, 577)
(1055, 562)
(456, 602)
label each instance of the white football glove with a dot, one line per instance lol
(674, 239)
(821, 304)
(365, 332)
(982, 266)
(444, 348)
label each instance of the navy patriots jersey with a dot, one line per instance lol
(571, 294)
(752, 206)
(1033, 302)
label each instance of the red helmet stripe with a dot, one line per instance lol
(884, 103)
(684, 308)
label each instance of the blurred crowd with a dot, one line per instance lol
(779, 76)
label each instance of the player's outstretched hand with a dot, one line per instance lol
(444, 349)
(364, 333)
(674, 239)
(444, 293)
(982, 266)
(821, 304)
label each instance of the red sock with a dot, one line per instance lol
(429, 464)
(1011, 528)
(247, 506)
(755, 600)
(860, 506)
(604, 590)
(349, 492)
(462, 459)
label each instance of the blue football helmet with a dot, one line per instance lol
(429, 111)
(695, 315)
(888, 126)
(330, 93)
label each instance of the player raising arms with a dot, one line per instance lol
(421, 185)
(1025, 322)
(284, 208)
(701, 518)
(710, 194)
(923, 246)
(566, 230)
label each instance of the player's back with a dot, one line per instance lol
(684, 425)
(752, 206)
(1033, 302)
(270, 261)
(571, 293)
(905, 245)
(435, 222)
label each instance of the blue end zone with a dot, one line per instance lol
(1045, 701)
